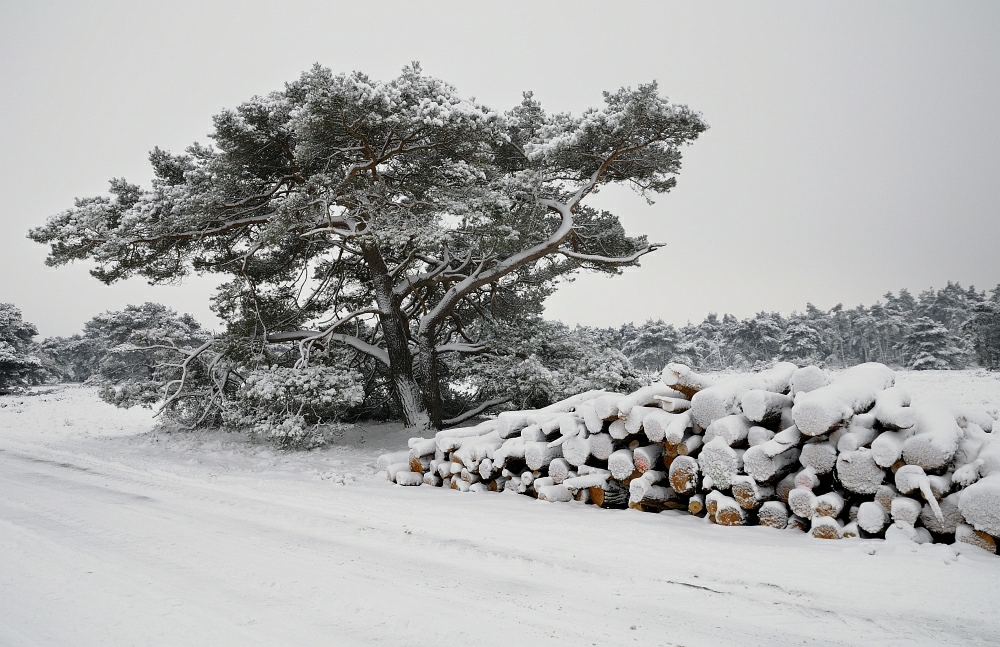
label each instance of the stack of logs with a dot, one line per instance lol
(836, 456)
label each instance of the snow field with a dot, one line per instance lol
(113, 534)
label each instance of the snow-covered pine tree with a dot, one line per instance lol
(983, 329)
(19, 362)
(929, 345)
(385, 217)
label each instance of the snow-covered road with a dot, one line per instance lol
(110, 535)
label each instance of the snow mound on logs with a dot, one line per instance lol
(834, 456)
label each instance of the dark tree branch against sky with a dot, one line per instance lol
(854, 146)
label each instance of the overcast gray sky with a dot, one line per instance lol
(854, 146)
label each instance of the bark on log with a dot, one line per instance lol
(683, 379)
(611, 495)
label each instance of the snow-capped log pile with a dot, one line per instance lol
(836, 456)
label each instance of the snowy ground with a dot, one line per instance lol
(113, 535)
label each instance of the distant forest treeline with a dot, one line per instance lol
(953, 327)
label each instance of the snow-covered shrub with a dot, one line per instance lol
(294, 406)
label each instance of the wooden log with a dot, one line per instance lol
(797, 523)
(885, 495)
(750, 494)
(784, 487)
(806, 379)
(733, 429)
(621, 464)
(729, 513)
(819, 411)
(673, 405)
(588, 480)
(683, 475)
(806, 478)
(858, 472)
(905, 509)
(606, 406)
(821, 456)
(826, 528)
(689, 445)
(511, 449)
(647, 457)
(951, 515)
(712, 503)
(935, 439)
(850, 531)
(486, 469)
(859, 433)
(966, 534)
(469, 476)
(656, 424)
(696, 504)
(764, 406)
(802, 501)
(591, 420)
(420, 447)
(576, 450)
(559, 470)
(538, 454)
(723, 398)
(617, 430)
(657, 499)
(720, 462)
(633, 420)
(767, 468)
(887, 448)
(406, 477)
(830, 504)
(683, 379)
(638, 487)
(980, 502)
(602, 446)
(556, 493)
(759, 436)
(645, 396)
(419, 464)
(872, 517)
(385, 460)
(892, 409)
(395, 468)
(430, 478)
(611, 495)
(773, 514)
